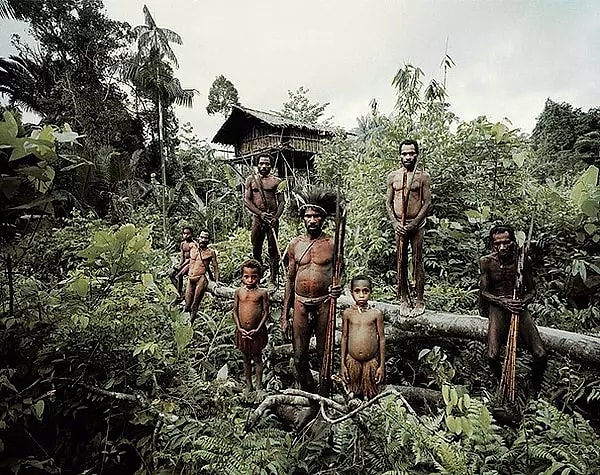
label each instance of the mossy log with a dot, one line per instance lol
(471, 327)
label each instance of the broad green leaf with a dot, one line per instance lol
(466, 400)
(223, 373)
(485, 418)
(282, 186)
(451, 423)
(590, 208)
(67, 137)
(81, 286)
(446, 393)
(590, 228)
(183, 336)
(453, 397)
(19, 150)
(38, 409)
(8, 128)
(519, 158)
(466, 425)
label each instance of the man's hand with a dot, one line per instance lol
(345, 375)
(267, 217)
(251, 333)
(379, 375)
(335, 291)
(513, 305)
(399, 229)
(286, 330)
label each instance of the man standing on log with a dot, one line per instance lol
(408, 201)
(266, 205)
(497, 301)
(309, 283)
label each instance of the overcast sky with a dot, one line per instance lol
(510, 55)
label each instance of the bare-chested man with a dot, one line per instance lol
(266, 205)
(309, 285)
(363, 342)
(408, 201)
(181, 270)
(201, 260)
(497, 280)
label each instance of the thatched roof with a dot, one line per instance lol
(242, 119)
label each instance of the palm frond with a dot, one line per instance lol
(148, 18)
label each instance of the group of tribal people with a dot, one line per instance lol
(310, 287)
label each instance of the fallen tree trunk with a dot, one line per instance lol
(471, 327)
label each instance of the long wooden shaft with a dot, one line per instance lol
(401, 275)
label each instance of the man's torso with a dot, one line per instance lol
(314, 265)
(401, 180)
(265, 200)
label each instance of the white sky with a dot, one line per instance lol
(510, 55)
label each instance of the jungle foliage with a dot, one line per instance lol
(102, 373)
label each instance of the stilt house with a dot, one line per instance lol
(290, 143)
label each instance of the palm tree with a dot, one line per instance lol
(27, 82)
(151, 69)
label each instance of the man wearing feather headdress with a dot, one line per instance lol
(309, 286)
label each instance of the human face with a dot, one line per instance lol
(250, 277)
(264, 166)
(361, 292)
(502, 245)
(187, 235)
(204, 239)
(408, 156)
(313, 219)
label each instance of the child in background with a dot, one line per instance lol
(363, 342)
(250, 312)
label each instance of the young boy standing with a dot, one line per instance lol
(363, 342)
(250, 312)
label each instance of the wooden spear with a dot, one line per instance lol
(507, 386)
(327, 363)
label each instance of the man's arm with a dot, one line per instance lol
(484, 283)
(389, 201)
(249, 197)
(288, 298)
(380, 374)
(508, 303)
(426, 197)
(181, 255)
(280, 202)
(215, 266)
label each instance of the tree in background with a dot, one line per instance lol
(67, 77)
(566, 139)
(151, 71)
(221, 96)
(300, 108)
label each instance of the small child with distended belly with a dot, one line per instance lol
(363, 342)
(250, 312)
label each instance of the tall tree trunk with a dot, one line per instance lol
(163, 162)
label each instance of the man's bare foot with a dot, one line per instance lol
(418, 310)
(404, 309)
